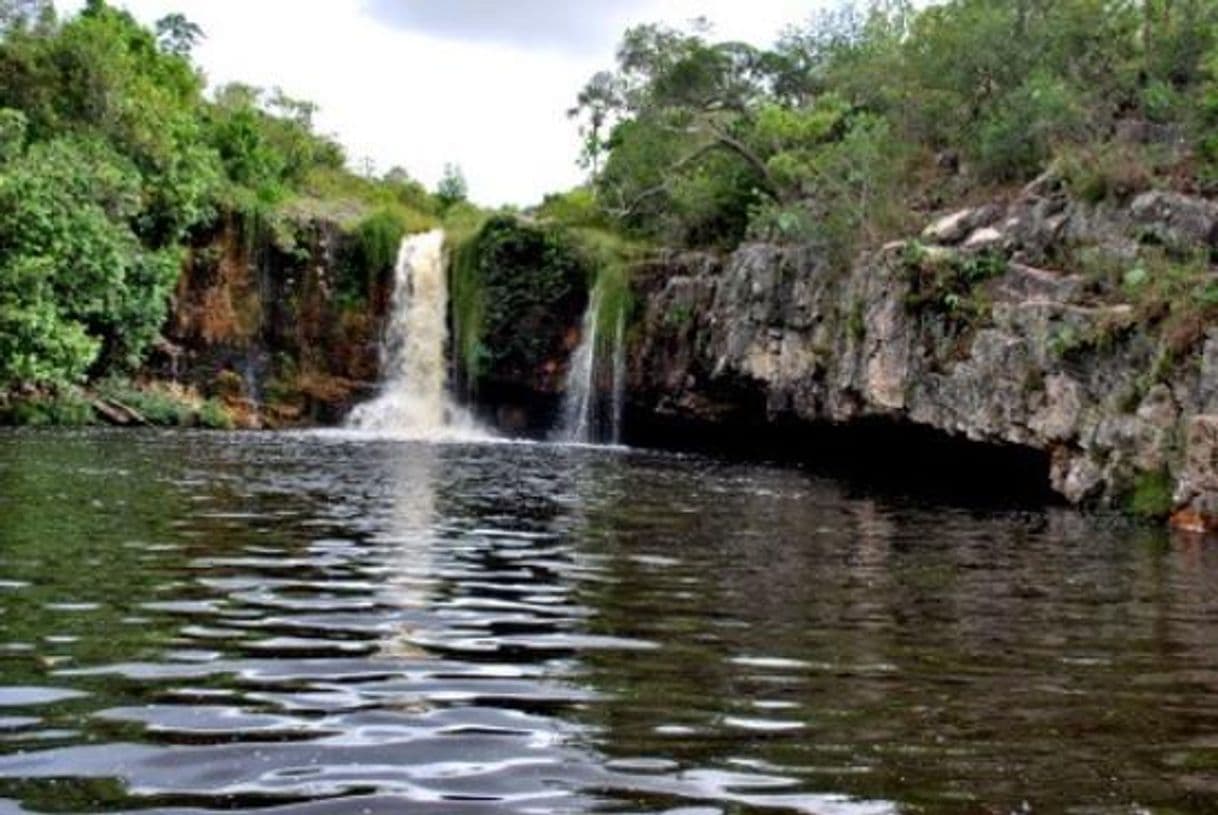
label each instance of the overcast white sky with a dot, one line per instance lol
(418, 83)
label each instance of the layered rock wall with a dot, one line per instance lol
(988, 327)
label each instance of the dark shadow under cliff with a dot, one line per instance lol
(871, 455)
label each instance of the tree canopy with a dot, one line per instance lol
(864, 113)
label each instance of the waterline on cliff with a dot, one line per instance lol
(415, 402)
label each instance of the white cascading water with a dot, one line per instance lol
(579, 403)
(582, 421)
(414, 401)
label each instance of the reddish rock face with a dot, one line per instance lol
(1197, 491)
(1193, 522)
(257, 323)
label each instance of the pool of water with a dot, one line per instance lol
(321, 624)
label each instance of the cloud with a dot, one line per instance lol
(560, 25)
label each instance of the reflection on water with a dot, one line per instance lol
(313, 624)
(410, 539)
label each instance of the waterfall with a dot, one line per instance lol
(579, 403)
(583, 419)
(414, 401)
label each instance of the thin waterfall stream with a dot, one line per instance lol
(579, 404)
(592, 413)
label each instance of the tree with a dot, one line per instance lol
(702, 133)
(178, 35)
(673, 102)
(596, 103)
(453, 188)
(77, 286)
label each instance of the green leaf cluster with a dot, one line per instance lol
(77, 285)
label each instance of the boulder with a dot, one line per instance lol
(1181, 221)
(954, 228)
(1197, 492)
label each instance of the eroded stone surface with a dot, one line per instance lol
(781, 328)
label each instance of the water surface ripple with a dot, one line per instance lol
(314, 624)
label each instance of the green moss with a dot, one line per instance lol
(372, 249)
(463, 225)
(64, 408)
(215, 416)
(679, 316)
(857, 322)
(379, 237)
(949, 284)
(609, 259)
(468, 298)
(1152, 496)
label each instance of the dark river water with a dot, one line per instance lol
(315, 624)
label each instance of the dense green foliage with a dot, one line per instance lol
(517, 289)
(863, 116)
(105, 169)
(113, 159)
(76, 282)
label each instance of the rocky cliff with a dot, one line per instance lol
(277, 322)
(1079, 330)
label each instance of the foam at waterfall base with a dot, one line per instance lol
(399, 416)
